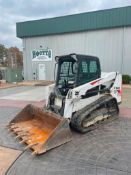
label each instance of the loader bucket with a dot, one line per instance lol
(40, 130)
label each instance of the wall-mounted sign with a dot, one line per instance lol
(41, 55)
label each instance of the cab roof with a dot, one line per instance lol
(75, 57)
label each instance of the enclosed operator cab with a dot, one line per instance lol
(75, 70)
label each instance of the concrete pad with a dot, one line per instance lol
(20, 103)
(37, 94)
(7, 158)
(15, 90)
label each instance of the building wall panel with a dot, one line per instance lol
(107, 44)
(126, 68)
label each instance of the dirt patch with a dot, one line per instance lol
(7, 85)
(126, 86)
(7, 157)
(35, 83)
(26, 83)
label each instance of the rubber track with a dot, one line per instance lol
(79, 115)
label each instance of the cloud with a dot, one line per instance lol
(12, 11)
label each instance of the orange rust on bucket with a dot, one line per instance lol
(40, 130)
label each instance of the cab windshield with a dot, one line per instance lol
(67, 73)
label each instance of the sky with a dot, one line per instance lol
(12, 11)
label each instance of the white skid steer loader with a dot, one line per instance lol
(82, 97)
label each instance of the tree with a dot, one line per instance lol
(14, 57)
(11, 57)
(3, 53)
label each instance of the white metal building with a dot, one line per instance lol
(105, 34)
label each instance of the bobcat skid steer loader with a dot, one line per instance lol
(82, 97)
